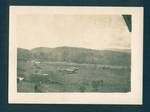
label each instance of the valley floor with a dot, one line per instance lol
(72, 77)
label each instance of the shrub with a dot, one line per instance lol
(96, 84)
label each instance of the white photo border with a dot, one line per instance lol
(133, 97)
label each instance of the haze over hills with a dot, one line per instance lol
(77, 55)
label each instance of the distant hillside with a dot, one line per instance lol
(76, 55)
(23, 54)
(41, 49)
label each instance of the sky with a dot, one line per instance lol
(86, 31)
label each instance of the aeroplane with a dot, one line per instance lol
(69, 70)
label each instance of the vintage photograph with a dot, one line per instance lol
(73, 53)
(60, 51)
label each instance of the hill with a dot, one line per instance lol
(76, 55)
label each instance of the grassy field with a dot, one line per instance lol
(88, 78)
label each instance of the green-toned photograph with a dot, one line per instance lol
(74, 53)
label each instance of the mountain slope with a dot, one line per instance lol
(77, 55)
